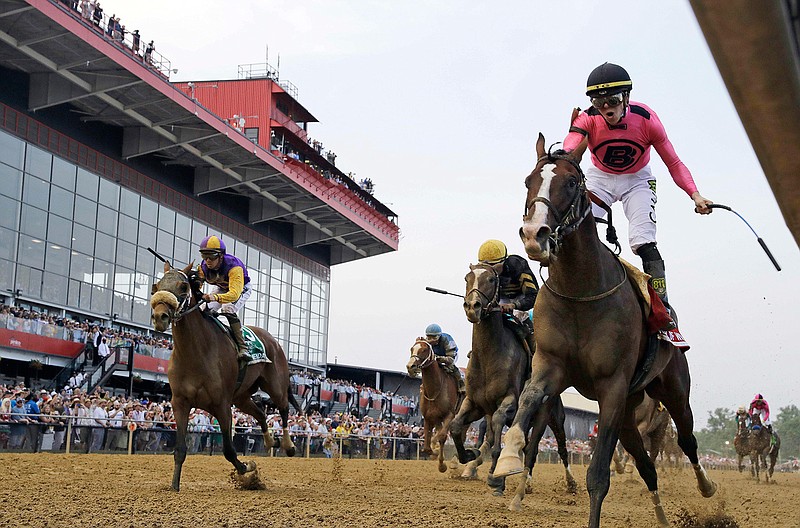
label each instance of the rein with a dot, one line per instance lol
(593, 297)
(182, 309)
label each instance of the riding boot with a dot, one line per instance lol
(236, 330)
(658, 280)
(462, 387)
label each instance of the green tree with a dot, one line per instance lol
(721, 428)
(787, 423)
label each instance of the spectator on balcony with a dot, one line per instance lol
(136, 41)
(102, 350)
(148, 53)
(96, 14)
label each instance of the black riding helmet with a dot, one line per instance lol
(608, 79)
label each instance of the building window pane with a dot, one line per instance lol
(101, 300)
(128, 228)
(38, 162)
(146, 264)
(34, 222)
(183, 226)
(80, 267)
(123, 306)
(126, 254)
(124, 280)
(147, 235)
(57, 261)
(29, 280)
(12, 181)
(61, 201)
(85, 212)
(12, 150)
(107, 220)
(85, 299)
(148, 211)
(54, 287)
(64, 174)
(141, 311)
(87, 184)
(83, 239)
(102, 273)
(129, 203)
(31, 251)
(183, 251)
(109, 193)
(9, 212)
(199, 231)
(8, 243)
(104, 245)
(164, 244)
(35, 192)
(59, 231)
(6, 270)
(166, 219)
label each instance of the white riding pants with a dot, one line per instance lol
(637, 192)
(233, 307)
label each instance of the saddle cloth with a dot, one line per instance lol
(655, 312)
(255, 347)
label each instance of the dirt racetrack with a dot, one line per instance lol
(76, 491)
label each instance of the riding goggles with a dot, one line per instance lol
(610, 100)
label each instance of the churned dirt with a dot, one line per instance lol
(75, 491)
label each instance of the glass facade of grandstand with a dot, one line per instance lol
(74, 241)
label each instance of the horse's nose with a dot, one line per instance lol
(472, 305)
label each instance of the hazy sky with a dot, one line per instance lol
(440, 103)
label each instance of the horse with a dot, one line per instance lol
(591, 334)
(439, 399)
(741, 442)
(671, 454)
(203, 370)
(761, 445)
(497, 371)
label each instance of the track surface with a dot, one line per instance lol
(56, 491)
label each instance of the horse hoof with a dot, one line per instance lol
(250, 466)
(708, 491)
(290, 452)
(442, 468)
(508, 465)
(661, 517)
(515, 504)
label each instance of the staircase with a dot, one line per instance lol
(115, 361)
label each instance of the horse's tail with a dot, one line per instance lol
(293, 400)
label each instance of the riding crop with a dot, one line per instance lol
(760, 241)
(437, 290)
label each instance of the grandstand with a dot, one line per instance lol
(101, 157)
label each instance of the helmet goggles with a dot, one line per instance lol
(610, 100)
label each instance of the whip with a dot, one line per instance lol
(437, 290)
(760, 240)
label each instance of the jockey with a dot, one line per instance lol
(759, 407)
(231, 284)
(446, 352)
(741, 413)
(518, 286)
(620, 133)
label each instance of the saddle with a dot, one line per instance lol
(255, 347)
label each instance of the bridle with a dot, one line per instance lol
(427, 361)
(580, 206)
(493, 303)
(183, 308)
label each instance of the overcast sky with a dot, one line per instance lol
(440, 103)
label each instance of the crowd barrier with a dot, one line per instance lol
(143, 437)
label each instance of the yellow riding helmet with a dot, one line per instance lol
(492, 252)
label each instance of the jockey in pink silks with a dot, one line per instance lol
(759, 407)
(620, 133)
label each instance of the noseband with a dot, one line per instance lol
(182, 309)
(579, 208)
(492, 304)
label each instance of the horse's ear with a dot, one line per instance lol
(167, 267)
(188, 268)
(540, 147)
(472, 267)
(154, 289)
(577, 152)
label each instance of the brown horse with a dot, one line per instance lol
(671, 454)
(762, 445)
(439, 399)
(203, 370)
(591, 334)
(497, 371)
(741, 442)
